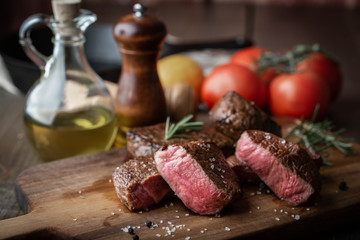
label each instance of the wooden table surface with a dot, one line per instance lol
(277, 28)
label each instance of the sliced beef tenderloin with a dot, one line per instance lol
(286, 168)
(139, 185)
(145, 141)
(198, 174)
(242, 170)
(233, 114)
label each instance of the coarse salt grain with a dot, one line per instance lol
(277, 219)
(297, 217)
(112, 213)
(75, 219)
(227, 229)
(187, 238)
(186, 214)
(275, 210)
(307, 209)
(158, 235)
(188, 229)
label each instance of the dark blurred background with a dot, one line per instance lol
(192, 25)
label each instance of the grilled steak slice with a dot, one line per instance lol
(233, 114)
(242, 170)
(145, 141)
(198, 174)
(139, 185)
(286, 168)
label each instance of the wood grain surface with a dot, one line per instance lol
(75, 198)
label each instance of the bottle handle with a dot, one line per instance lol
(25, 39)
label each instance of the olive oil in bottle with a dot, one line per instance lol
(73, 133)
(68, 111)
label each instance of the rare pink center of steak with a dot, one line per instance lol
(284, 183)
(188, 180)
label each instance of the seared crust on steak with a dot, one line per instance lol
(233, 114)
(291, 155)
(242, 170)
(145, 141)
(139, 185)
(288, 169)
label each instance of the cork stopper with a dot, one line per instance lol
(66, 10)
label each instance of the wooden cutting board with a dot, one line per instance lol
(75, 198)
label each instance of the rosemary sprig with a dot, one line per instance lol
(319, 137)
(171, 131)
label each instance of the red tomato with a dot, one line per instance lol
(296, 95)
(248, 57)
(232, 77)
(326, 68)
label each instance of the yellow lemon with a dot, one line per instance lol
(178, 68)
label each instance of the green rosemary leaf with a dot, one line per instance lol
(171, 131)
(319, 137)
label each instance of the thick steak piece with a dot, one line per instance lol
(198, 174)
(233, 114)
(139, 185)
(145, 141)
(242, 170)
(286, 168)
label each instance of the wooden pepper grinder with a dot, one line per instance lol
(140, 98)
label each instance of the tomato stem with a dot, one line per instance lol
(287, 63)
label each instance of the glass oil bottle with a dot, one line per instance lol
(68, 111)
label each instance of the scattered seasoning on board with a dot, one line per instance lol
(343, 186)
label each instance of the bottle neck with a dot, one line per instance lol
(70, 51)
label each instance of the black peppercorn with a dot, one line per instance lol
(135, 237)
(342, 186)
(148, 224)
(131, 231)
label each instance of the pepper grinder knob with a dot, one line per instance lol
(139, 10)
